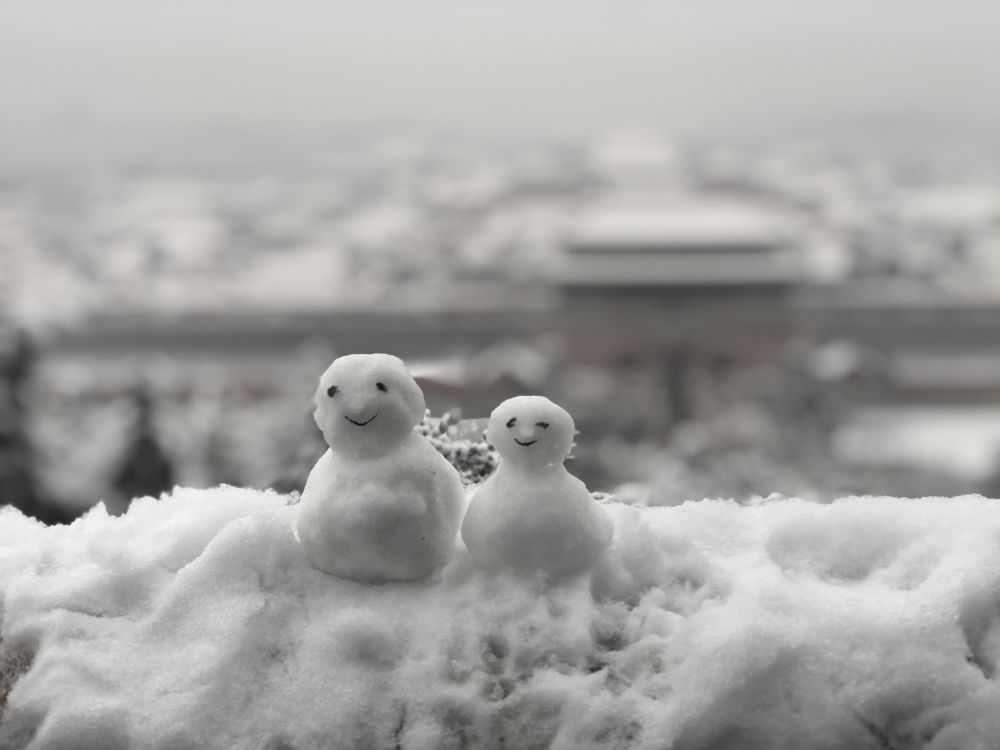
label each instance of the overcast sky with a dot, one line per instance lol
(505, 68)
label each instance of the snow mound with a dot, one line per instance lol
(196, 622)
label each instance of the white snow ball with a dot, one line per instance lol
(532, 514)
(531, 431)
(365, 403)
(381, 504)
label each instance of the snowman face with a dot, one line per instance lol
(367, 403)
(531, 430)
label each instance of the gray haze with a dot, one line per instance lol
(76, 72)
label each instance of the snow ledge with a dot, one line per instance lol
(196, 622)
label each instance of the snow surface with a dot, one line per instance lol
(197, 622)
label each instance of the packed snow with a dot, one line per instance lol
(532, 514)
(381, 504)
(196, 621)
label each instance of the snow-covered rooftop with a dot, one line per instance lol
(677, 224)
(961, 440)
(957, 206)
(676, 240)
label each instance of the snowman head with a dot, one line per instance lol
(367, 403)
(531, 431)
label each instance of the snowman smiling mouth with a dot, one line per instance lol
(361, 424)
(530, 442)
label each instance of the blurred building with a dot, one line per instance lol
(678, 281)
(619, 280)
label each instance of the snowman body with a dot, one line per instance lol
(532, 514)
(381, 504)
(387, 518)
(543, 521)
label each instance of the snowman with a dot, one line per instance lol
(532, 514)
(381, 504)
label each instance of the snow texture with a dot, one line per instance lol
(381, 504)
(532, 514)
(196, 621)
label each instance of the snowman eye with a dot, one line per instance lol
(511, 421)
(331, 391)
(543, 425)
(381, 387)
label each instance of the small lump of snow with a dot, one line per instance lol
(196, 621)
(532, 514)
(381, 504)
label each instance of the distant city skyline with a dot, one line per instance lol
(73, 76)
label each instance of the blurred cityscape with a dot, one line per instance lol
(721, 322)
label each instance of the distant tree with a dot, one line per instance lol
(145, 468)
(219, 455)
(300, 447)
(17, 480)
(19, 484)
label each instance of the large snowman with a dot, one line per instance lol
(532, 514)
(381, 504)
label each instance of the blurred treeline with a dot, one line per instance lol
(66, 444)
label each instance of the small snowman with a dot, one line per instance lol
(381, 504)
(532, 514)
